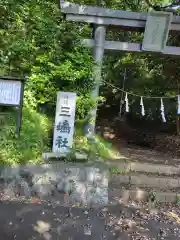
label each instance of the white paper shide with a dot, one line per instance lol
(10, 92)
(178, 111)
(64, 122)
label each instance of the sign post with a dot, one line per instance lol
(11, 94)
(156, 31)
(64, 122)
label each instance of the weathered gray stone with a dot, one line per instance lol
(43, 186)
(121, 179)
(84, 184)
(10, 189)
(170, 197)
(91, 173)
(97, 195)
(17, 186)
(80, 194)
(141, 195)
(10, 172)
(24, 189)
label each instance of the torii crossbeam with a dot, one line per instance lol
(102, 18)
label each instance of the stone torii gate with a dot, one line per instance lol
(101, 18)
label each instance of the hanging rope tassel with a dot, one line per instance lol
(127, 103)
(142, 107)
(162, 111)
(178, 112)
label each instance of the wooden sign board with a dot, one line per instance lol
(10, 92)
(64, 122)
(156, 31)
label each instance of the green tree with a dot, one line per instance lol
(37, 42)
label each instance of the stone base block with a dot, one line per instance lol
(83, 184)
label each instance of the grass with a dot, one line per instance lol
(33, 140)
(117, 170)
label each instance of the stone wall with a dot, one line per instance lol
(82, 184)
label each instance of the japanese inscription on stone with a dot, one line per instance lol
(156, 31)
(10, 92)
(64, 121)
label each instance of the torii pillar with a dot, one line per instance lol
(98, 54)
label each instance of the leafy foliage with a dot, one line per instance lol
(36, 42)
(34, 138)
(101, 148)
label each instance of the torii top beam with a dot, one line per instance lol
(105, 16)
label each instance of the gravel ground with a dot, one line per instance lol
(50, 221)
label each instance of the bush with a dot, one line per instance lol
(101, 149)
(33, 140)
